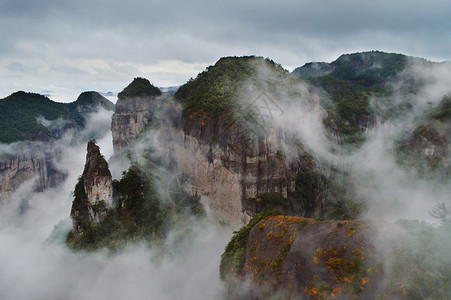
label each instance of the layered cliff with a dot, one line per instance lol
(93, 194)
(27, 116)
(234, 114)
(135, 108)
(239, 173)
(218, 133)
(29, 161)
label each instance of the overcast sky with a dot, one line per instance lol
(62, 47)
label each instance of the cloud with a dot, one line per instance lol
(62, 41)
(37, 265)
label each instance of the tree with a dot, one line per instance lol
(441, 212)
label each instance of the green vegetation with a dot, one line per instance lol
(19, 114)
(349, 107)
(216, 91)
(369, 69)
(277, 264)
(421, 265)
(268, 201)
(138, 213)
(139, 87)
(308, 187)
(137, 216)
(346, 85)
(443, 111)
(342, 201)
(430, 132)
(234, 256)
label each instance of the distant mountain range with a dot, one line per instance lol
(245, 142)
(30, 116)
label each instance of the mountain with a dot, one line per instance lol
(214, 140)
(373, 70)
(34, 124)
(214, 131)
(299, 161)
(358, 90)
(295, 257)
(136, 106)
(29, 116)
(426, 148)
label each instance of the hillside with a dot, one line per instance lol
(426, 148)
(218, 91)
(139, 87)
(373, 70)
(295, 257)
(29, 116)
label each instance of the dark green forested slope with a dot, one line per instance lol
(20, 113)
(371, 70)
(217, 90)
(139, 87)
(347, 84)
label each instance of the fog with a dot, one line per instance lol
(389, 191)
(35, 263)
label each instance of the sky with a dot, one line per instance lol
(62, 48)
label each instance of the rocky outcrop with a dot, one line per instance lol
(136, 107)
(45, 123)
(93, 193)
(294, 257)
(230, 166)
(427, 148)
(130, 118)
(237, 170)
(29, 161)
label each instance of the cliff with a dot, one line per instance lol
(236, 161)
(29, 161)
(294, 257)
(135, 108)
(280, 257)
(28, 116)
(427, 147)
(239, 173)
(93, 193)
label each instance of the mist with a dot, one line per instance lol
(389, 191)
(36, 264)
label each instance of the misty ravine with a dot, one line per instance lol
(246, 182)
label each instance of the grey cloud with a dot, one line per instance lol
(291, 33)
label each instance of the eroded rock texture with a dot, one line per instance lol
(94, 191)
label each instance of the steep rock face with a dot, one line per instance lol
(428, 146)
(131, 116)
(296, 257)
(29, 116)
(94, 191)
(232, 168)
(135, 108)
(30, 161)
(232, 165)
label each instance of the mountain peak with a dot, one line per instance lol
(139, 87)
(93, 98)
